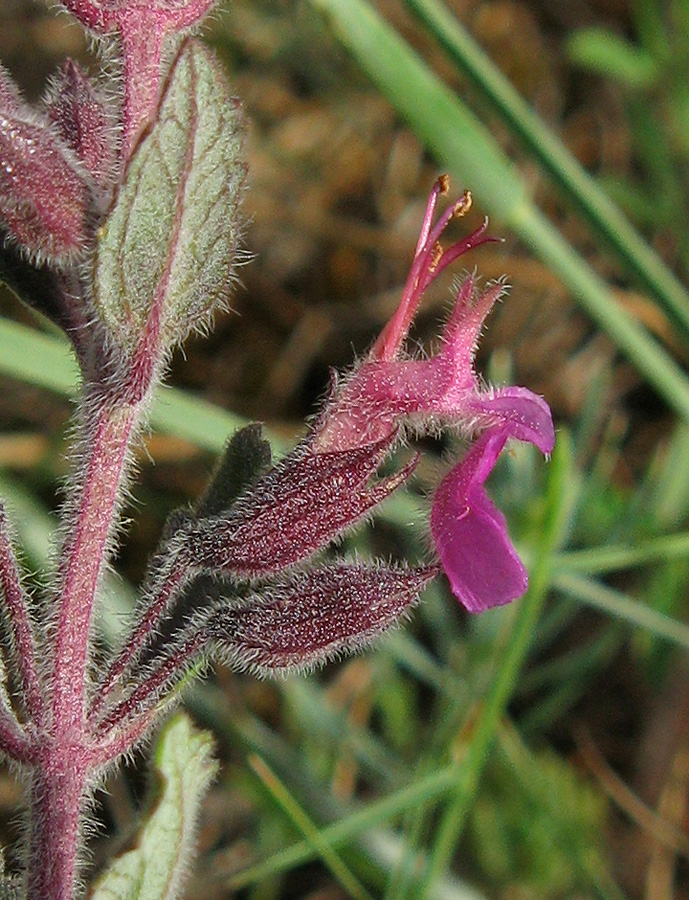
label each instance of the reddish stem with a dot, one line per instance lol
(17, 604)
(65, 761)
(58, 796)
(142, 49)
(155, 609)
(83, 558)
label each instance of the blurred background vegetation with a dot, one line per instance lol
(536, 751)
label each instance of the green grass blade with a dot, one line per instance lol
(607, 53)
(556, 159)
(599, 560)
(298, 817)
(510, 657)
(37, 358)
(462, 144)
(615, 603)
(47, 362)
(351, 827)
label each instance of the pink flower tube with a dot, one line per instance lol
(388, 389)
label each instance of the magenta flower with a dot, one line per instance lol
(389, 390)
(243, 576)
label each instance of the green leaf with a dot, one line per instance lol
(609, 54)
(153, 870)
(164, 256)
(246, 456)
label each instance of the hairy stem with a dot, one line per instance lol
(83, 557)
(142, 51)
(65, 760)
(20, 626)
(58, 796)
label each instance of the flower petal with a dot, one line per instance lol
(523, 414)
(470, 534)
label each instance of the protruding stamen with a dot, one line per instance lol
(463, 205)
(439, 189)
(430, 259)
(475, 239)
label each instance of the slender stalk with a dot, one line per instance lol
(155, 608)
(140, 702)
(83, 558)
(16, 603)
(123, 739)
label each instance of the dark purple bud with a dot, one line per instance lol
(43, 195)
(296, 622)
(310, 617)
(294, 510)
(246, 456)
(84, 123)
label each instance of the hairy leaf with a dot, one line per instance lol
(153, 870)
(165, 254)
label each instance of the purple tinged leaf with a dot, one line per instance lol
(166, 253)
(310, 617)
(85, 124)
(43, 193)
(297, 508)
